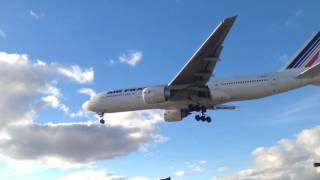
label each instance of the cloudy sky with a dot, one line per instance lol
(55, 55)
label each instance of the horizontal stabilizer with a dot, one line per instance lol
(311, 72)
(316, 83)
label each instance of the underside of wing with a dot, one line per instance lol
(199, 68)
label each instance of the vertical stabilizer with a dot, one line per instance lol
(306, 56)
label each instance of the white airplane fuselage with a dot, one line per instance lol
(221, 91)
(193, 89)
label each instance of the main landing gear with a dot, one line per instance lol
(202, 114)
(203, 118)
(102, 121)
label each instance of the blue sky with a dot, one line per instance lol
(76, 39)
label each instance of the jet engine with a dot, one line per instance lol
(175, 115)
(155, 94)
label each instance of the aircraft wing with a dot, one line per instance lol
(199, 68)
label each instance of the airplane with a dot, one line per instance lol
(194, 89)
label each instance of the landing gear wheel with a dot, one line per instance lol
(102, 121)
(208, 119)
(202, 115)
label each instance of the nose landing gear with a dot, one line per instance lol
(102, 121)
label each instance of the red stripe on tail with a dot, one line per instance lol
(314, 58)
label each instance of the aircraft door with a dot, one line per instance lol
(274, 83)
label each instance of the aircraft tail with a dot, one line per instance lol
(306, 56)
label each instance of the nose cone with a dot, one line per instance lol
(87, 106)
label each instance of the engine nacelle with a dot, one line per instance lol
(155, 94)
(174, 115)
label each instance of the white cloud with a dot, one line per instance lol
(221, 169)
(138, 178)
(288, 22)
(299, 13)
(283, 58)
(294, 19)
(180, 173)
(34, 14)
(288, 159)
(21, 79)
(87, 91)
(79, 113)
(23, 141)
(54, 102)
(92, 175)
(18, 59)
(132, 57)
(191, 168)
(77, 142)
(97, 174)
(51, 90)
(77, 74)
(198, 166)
(41, 63)
(202, 162)
(74, 72)
(197, 169)
(111, 62)
(2, 34)
(51, 101)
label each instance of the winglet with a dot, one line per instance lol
(230, 19)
